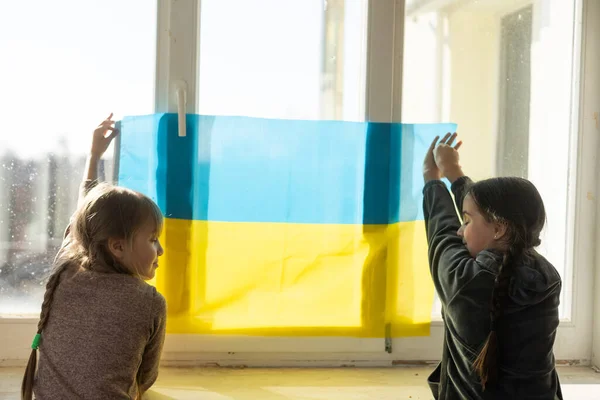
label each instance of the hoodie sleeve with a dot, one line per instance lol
(459, 190)
(451, 265)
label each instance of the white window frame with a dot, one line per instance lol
(177, 60)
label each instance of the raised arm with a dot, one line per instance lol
(101, 139)
(447, 160)
(451, 265)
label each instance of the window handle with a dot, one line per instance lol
(181, 95)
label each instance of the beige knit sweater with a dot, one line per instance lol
(104, 336)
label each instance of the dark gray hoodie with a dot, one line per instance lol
(527, 329)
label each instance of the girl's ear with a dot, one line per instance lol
(500, 231)
(117, 248)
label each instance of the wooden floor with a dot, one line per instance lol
(308, 384)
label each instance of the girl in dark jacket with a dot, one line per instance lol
(499, 296)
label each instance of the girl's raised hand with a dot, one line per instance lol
(447, 158)
(431, 171)
(103, 135)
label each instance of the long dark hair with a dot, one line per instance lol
(107, 212)
(517, 204)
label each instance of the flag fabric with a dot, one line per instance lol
(285, 227)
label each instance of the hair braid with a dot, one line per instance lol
(29, 377)
(486, 363)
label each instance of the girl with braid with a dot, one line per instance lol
(500, 297)
(101, 327)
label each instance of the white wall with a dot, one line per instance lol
(591, 127)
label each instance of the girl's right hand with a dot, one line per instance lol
(447, 158)
(103, 135)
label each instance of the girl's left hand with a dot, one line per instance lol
(103, 135)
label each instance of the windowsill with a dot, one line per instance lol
(28, 319)
(18, 320)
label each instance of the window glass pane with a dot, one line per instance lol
(503, 71)
(285, 59)
(66, 64)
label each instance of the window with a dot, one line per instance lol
(506, 71)
(283, 59)
(503, 71)
(65, 63)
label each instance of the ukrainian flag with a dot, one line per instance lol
(286, 228)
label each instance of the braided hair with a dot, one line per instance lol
(516, 204)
